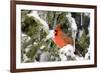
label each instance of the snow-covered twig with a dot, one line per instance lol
(36, 15)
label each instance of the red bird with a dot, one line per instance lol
(60, 38)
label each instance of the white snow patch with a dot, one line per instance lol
(42, 47)
(25, 58)
(79, 58)
(67, 50)
(28, 48)
(35, 43)
(87, 55)
(50, 35)
(73, 25)
(72, 21)
(44, 56)
(25, 37)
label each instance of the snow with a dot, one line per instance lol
(44, 56)
(67, 50)
(80, 34)
(25, 37)
(25, 58)
(35, 43)
(27, 48)
(42, 47)
(50, 35)
(72, 22)
(79, 58)
(87, 55)
(73, 26)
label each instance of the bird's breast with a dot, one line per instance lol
(59, 41)
(62, 41)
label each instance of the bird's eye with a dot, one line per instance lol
(55, 32)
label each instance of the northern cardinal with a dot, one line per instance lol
(60, 38)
